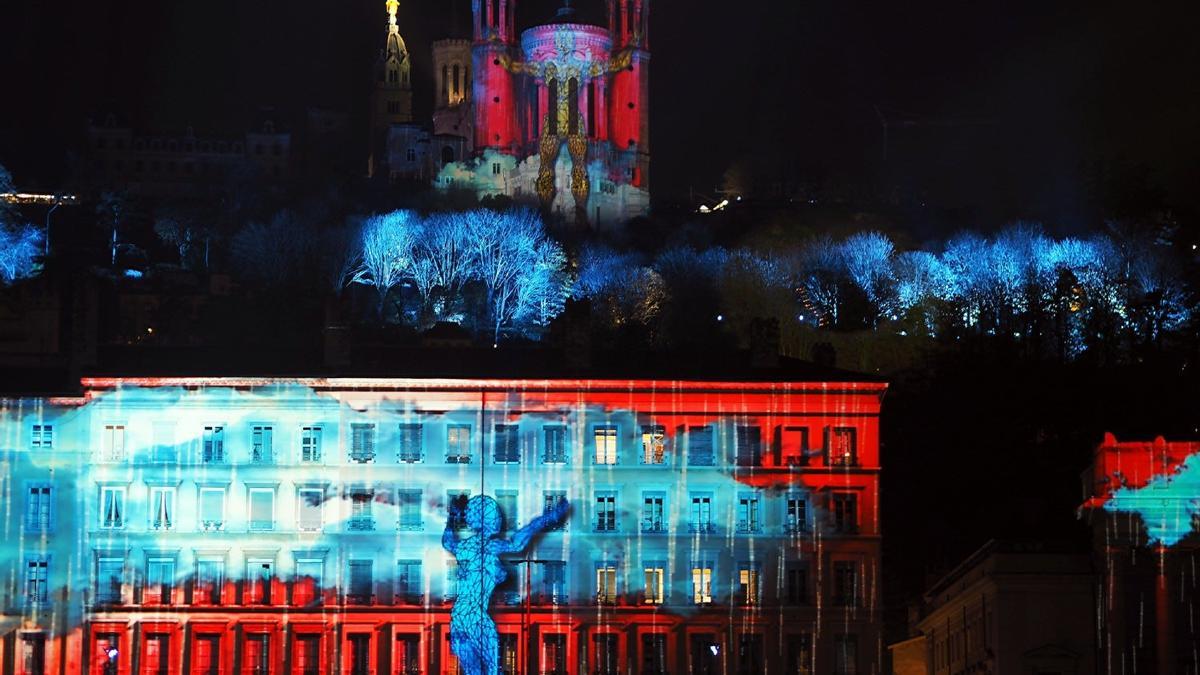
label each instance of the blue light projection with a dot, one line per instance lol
(473, 634)
(1168, 504)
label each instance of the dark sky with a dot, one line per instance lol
(1010, 101)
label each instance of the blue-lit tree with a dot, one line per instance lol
(19, 247)
(621, 288)
(387, 251)
(822, 273)
(479, 570)
(867, 257)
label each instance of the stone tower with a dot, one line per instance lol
(391, 102)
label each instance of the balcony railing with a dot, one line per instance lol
(360, 599)
(655, 527)
(360, 524)
(212, 525)
(458, 459)
(702, 528)
(262, 525)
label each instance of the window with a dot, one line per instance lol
(701, 514)
(213, 449)
(704, 652)
(749, 446)
(310, 445)
(458, 499)
(842, 447)
(606, 512)
(458, 444)
(39, 508)
(655, 572)
(749, 582)
(750, 654)
(748, 517)
(262, 447)
(800, 654)
(210, 580)
(256, 654)
(37, 578)
(605, 436)
(550, 501)
(653, 512)
(654, 444)
(42, 437)
(554, 654)
(506, 444)
(307, 655)
(259, 573)
(654, 654)
(845, 583)
(110, 574)
(309, 512)
(409, 587)
(361, 519)
(796, 584)
(262, 509)
(495, 168)
(408, 654)
(409, 504)
(212, 508)
(411, 447)
(361, 582)
(607, 654)
(160, 579)
(362, 443)
(393, 107)
(845, 654)
(112, 443)
(795, 516)
(702, 573)
(700, 446)
(793, 442)
(33, 654)
(112, 507)
(606, 583)
(556, 444)
(162, 508)
(310, 574)
(506, 500)
(554, 582)
(845, 512)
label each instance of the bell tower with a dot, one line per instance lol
(391, 102)
(492, 51)
(629, 111)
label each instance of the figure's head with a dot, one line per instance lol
(483, 515)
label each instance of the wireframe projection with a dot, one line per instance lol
(473, 634)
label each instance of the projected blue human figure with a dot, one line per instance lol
(472, 631)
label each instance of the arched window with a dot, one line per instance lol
(446, 83)
(457, 85)
(591, 108)
(447, 154)
(573, 106)
(552, 108)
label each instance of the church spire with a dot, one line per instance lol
(392, 7)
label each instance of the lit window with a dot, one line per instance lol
(212, 508)
(160, 579)
(606, 443)
(701, 514)
(362, 443)
(655, 573)
(262, 509)
(606, 512)
(653, 512)
(162, 508)
(506, 444)
(654, 444)
(262, 446)
(37, 570)
(606, 583)
(42, 437)
(310, 445)
(458, 444)
(702, 573)
(842, 447)
(213, 449)
(409, 504)
(39, 508)
(112, 507)
(556, 444)
(411, 448)
(309, 501)
(112, 443)
(748, 519)
(749, 577)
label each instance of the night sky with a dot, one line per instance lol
(1012, 101)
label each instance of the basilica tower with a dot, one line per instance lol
(391, 101)
(492, 50)
(628, 23)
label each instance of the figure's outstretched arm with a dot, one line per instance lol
(521, 538)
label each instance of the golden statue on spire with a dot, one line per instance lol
(392, 7)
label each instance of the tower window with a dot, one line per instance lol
(495, 99)
(552, 90)
(457, 84)
(573, 106)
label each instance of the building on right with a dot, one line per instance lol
(1141, 501)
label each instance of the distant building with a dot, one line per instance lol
(1142, 505)
(1009, 609)
(293, 526)
(391, 99)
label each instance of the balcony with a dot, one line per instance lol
(262, 456)
(654, 527)
(360, 525)
(212, 525)
(362, 457)
(458, 459)
(702, 528)
(262, 525)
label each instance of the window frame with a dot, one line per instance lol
(120, 501)
(253, 525)
(169, 496)
(608, 453)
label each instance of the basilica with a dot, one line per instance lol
(556, 115)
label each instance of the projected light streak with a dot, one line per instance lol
(314, 500)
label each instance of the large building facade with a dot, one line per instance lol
(268, 526)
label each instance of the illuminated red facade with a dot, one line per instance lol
(257, 526)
